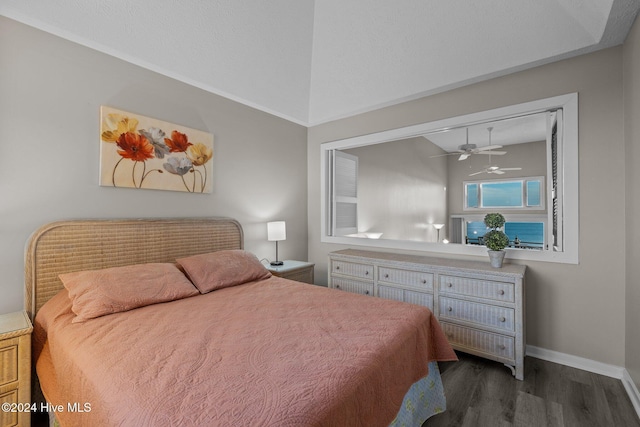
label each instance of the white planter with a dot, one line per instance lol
(496, 258)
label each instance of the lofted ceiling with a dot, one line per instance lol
(312, 61)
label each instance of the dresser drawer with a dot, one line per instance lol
(361, 271)
(498, 291)
(484, 315)
(419, 298)
(415, 279)
(485, 342)
(353, 286)
(8, 361)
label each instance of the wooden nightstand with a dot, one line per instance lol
(15, 369)
(300, 271)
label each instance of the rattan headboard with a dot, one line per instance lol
(67, 246)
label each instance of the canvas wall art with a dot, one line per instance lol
(145, 153)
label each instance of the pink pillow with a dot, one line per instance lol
(221, 269)
(95, 293)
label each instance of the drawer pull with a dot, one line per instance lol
(366, 292)
(450, 308)
(502, 347)
(450, 285)
(386, 276)
(424, 281)
(337, 286)
(501, 292)
(337, 267)
(366, 273)
(503, 319)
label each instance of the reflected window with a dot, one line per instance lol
(533, 194)
(522, 234)
(524, 193)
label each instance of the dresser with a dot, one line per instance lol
(15, 369)
(480, 308)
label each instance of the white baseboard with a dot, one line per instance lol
(613, 371)
(632, 390)
(575, 362)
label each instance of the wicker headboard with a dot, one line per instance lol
(67, 246)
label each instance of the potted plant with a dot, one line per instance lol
(495, 239)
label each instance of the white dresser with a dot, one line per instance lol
(480, 308)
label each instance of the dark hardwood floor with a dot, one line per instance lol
(484, 393)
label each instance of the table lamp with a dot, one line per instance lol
(276, 231)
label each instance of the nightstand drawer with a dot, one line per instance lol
(499, 291)
(416, 279)
(484, 315)
(8, 361)
(474, 340)
(8, 418)
(305, 276)
(361, 271)
(353, 286)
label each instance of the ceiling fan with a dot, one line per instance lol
(466, 150)
(495, 169)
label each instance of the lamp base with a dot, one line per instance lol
(277, 263)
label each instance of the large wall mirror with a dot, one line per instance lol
(427, 187)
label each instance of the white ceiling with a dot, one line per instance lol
(311, 61)
(505, 132)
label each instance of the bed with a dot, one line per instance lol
(226, 343)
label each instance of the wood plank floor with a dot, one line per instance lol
(484, 393)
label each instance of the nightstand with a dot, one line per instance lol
(15, 369)
(300, 271)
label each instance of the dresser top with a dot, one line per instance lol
(472, 266)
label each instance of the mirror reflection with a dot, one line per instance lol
(436, 187)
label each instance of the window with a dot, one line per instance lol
(524, 194)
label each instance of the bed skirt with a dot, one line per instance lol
(424, 399)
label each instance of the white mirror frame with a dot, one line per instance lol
(569, 104)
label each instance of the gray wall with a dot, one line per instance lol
(573, 309)
(401, 189)
(631, 54)
(50, 94)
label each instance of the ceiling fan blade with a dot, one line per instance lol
(510, 169)
(447, 154)
(489, 147)
(476, 173)
(497, 153)
(496, 171)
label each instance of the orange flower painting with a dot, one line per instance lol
(145, 153)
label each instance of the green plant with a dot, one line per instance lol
(494, 220)
(494, 239)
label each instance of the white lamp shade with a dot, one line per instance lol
(276, 230)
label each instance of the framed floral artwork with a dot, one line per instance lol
(146, 153)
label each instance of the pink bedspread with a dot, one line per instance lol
(267, 353)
